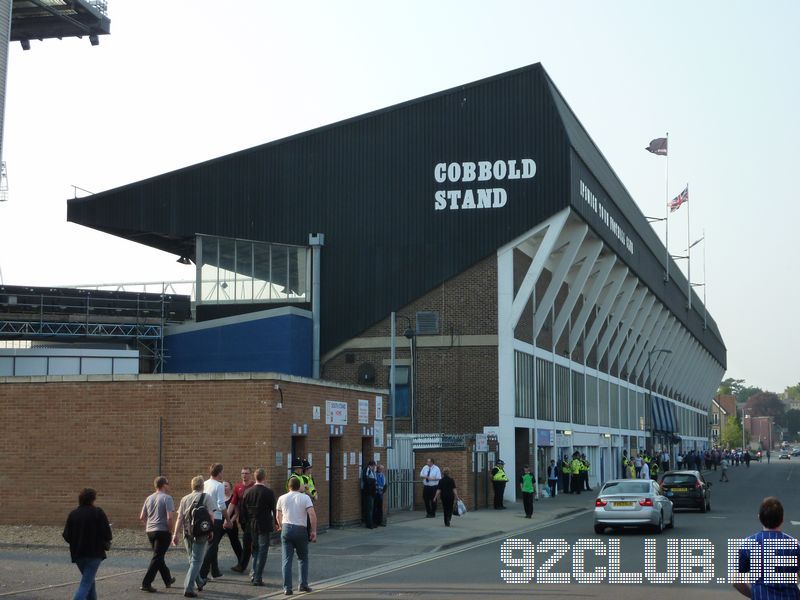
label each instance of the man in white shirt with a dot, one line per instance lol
(645, 472)
(430, 475)
(294, 510)
(664, 461)
(214, 487)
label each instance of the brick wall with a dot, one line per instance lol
(104, 433)
(456, 382)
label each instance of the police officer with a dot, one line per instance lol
(575, 469)
(311, 488)
(566, 471)
(626, 463)
(585, 473)
(297, 473)
(499, 480)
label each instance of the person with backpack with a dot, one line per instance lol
(196, 523)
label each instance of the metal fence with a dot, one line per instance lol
(400, 473)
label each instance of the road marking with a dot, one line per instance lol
(789, 476)
(399, 565)
(795, 522)
(70, 583)
(718, 517)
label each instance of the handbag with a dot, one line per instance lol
(461, 508)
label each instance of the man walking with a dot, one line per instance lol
(778, 553)
(88, 534)
(158, 515)
(258, 511)
(499, 480)
(214, 488)
(195, 546)
(233, 515)
(430, 475)
(293, 510)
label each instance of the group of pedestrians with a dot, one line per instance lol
(207, 514)
(373, 488)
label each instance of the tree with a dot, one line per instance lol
(793, 392)
(732, 432)
(745, 393)
(793, 424)
(765, 404)
(730, 386)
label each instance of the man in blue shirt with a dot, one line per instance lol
(779, 558)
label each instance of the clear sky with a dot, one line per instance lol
(181, 81)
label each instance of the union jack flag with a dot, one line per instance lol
(676, 202)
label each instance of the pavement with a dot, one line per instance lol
(340, 555)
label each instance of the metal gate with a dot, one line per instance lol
(400, 473)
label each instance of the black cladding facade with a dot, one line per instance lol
(369, 184)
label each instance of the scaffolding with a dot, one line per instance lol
(71, 315)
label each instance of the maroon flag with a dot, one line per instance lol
(658, 146)
(676, 202)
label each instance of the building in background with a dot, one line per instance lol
(723, 406)
(534, 300)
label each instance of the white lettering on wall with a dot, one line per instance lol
(483, 170)
(597, 206)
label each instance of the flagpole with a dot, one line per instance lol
(689, 251)
(705, 283)
(666, 203)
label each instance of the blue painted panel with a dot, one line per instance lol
(282, 344)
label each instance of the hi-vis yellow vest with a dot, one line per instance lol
(500, 475)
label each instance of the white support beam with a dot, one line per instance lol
(528, 285)
(636, 328)
(591, 251)
(631, 316)
(616, 282)
(677, 357)
(571, 238)
(598, 283)
(619, 311)
(649, 316)
(672, 329)
(655, 322)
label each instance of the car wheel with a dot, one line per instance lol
(599, 529)
(703, 506)
(660, 527)
(708, 506)
(672, 521)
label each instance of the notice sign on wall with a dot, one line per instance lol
(335, 412)
(377, 432)
(363, 411)
(379, 408)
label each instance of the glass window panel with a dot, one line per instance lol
(562, 394)
(544, 389)
(613, 401)
(244, 270)
(227, 273)
(524, 396)
(603, 402)
(591, 400)
(280, 272)
(261, 269)
(578, 398)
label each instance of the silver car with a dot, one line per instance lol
(632, 503)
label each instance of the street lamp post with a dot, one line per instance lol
(744, 416)
(650, 386)
(411, 336)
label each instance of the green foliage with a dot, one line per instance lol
(793, 392)
(793, 424)
(732, 433)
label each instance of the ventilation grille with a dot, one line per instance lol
(427, 323)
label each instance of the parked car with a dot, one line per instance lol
(784, 455)
(632, 503)
(796, 452)
(687, 489)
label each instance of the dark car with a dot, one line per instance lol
(687, 489)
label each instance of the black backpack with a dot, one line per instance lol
(200, 523)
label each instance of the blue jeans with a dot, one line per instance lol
(294, 538)
(260, 550)
(196, 549)
(88, 568)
